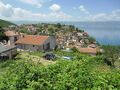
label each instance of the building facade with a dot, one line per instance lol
(36, 43)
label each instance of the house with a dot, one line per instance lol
(13, 36)
(31, 28)
(79, 34)
(85, 34)
(36, 43)
(7, 52)
(92, 46)
(91, 51)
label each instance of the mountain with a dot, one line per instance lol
(4, 23)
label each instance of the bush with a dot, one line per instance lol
(80, 74)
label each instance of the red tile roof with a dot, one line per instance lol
(32, 40)
(10, 33)
(89, 50)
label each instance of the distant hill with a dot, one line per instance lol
(4, 23)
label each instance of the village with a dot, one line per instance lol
(45, 38)
(59, 44)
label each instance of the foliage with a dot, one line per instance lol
(111, 53)
(58, 25)
(2, 35)
(82, 73)
(91, 39)
(24, 30)
(4, 23)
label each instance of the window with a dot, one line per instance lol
(15, 39)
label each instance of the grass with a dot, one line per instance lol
(35, 57)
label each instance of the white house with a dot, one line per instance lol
(36, 43)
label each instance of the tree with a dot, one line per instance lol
(91, 39)
(2, 35)
(111, 54)
(58, 25)
(24, 30)
(72, 27)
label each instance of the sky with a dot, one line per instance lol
(60, 10)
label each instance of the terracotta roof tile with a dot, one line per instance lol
(88, 50)
(32, 40)
(10, 33)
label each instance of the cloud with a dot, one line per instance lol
(6, 10)
(12, 13)
(20, 13)
(113, 16)
(60, 15)
(37, 3)
(55, 7)
(83, 9)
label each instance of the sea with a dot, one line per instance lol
(106, 33)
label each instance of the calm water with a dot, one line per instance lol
(104, 32)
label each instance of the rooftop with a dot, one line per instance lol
(5, 48)
(32, 40)
(89, 50)
(11, 33)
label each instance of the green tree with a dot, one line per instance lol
(24, 30)
(71, 27)
(2, 35)
(91, 39)
(58, 25)
(111, 53)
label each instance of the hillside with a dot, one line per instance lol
(4, 23)
(82, 73)
(66, 35)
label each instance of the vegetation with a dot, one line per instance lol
(111, 54)
(2, 35)
(84, 72)
(24, 30)
(4, 23)
(29, 71)
(91, 39)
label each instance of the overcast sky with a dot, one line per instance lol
(60, 10)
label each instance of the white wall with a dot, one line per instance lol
(30, 47)
(50, 40)
(11, 40)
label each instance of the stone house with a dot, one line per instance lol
(36, 43)
(13, 36)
